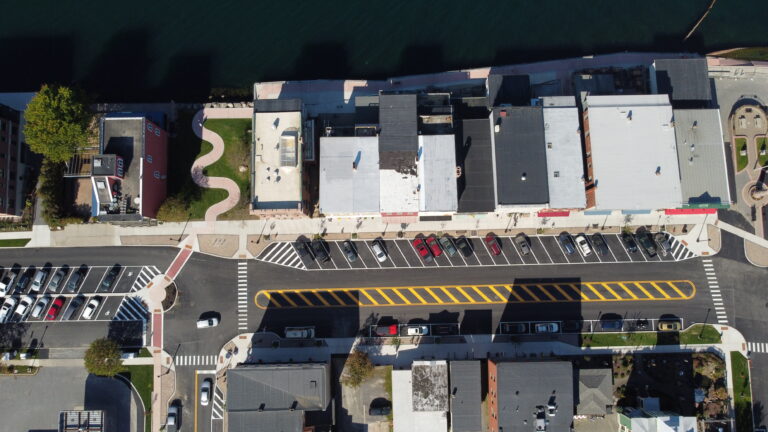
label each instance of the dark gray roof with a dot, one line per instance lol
(104, 165)
(367, 109)
(276, 105)
(475, 156)
(278, 387)
(267, 421)
(524, 386)
(509, 89)
(466, 411)
(124, 136)
(683, 79)
(521, 161)
(595, 391)
(399, 123)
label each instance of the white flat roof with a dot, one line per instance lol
(405, 419)
(398, 192)
(565, 167)
(437, 174)
(275, 185)
(345, 188)
(634, 155)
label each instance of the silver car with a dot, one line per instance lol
(205, 392)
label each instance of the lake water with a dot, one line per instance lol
(154, 50)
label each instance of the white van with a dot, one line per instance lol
(299, 332)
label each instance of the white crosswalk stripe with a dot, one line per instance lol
(714, 291)
(282, 253)
(757, 347)
(131, 309)
(195, 360)
(242, 295)
(145, 276)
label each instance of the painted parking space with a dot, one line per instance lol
(547, 292)
(543, 250)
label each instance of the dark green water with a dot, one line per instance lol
(153, 50)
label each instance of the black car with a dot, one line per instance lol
(572, 326)
(566, 241)
(318, 248)
(303, 249)
(514, 328)
(21, 285)
(110, 278)
(645, 240)
(349, 250)
(629, 242)
(380, 407)
(641, 324)
(463, 244)
(663, 241)
(599, 244)
(444, 329)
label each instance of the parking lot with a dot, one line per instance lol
(583, 326)
(545, 250)
(115, 303)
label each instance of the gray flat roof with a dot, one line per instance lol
(524, 386)
(399, 122)
(278, 387)
(349, 175)
(267, 421)
(277, 105)
(683, 79)
(701, 156)
(437, 174)
(519, 154)
(466, 410)
(476, 181)
(124, 136)
(565, 166)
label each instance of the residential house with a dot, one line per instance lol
(595, 395)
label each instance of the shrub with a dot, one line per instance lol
(103, 358)
(357, 368)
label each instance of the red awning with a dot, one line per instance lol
(565, 213)
(690, 211)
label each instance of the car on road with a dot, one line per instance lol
(73, 307)
(662, 240)
(522, 241)
(493, 244)
(109, 278)
(173, 417)
(566, 241)
(37, 311)
(514, 328)
(39, 280)
(207, 322)
(21, 285)
(599, 244)
(205, 392)
(56, 280)
(462, 243)
(386, 330)
(645, 240)
(7, 283)
(53, 312)
(583, 244)
(74, 281)
(669, 325)
(433, 245)
(91, 307)
(23, 309)
(417, 330)
(377, 246)
(421, 248)
(7, 309)
(321, 253)
(447, 244)
(629, 242)
(546, 327)
(349, 250)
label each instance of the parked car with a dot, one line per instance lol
(53, 312)
(91, 307)
(566, 242)
(303, 249)
(662, 240)
(641, 324)
(629, 242)
(39, 280)
(7, 283)
(447, 245)
(434, 246)
(23, 309)
(387, 330)
(173, 417)
(444, 329)
(74, 281)
(318, 248)
(378, 249)
(583, 244)
(643, 238)
(109, 278)
(37, 311)
(611, 322)
(669, 325)
(73, 307)
(572, 326)
(546, 327)
(205, 392)
(380, 409)
(349, 250)
(599, 243)
(522, 241)
(417, 330)
(207, 322)
(514, 328)
(421, 248)
(299, 332)
(462, 243)
(21, 285)
(493, 244)
(7, 309)
(56, 280)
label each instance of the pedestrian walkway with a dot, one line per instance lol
(242, 295)
(714, 291)
(194, 360)
(757, 347)
(178, 262)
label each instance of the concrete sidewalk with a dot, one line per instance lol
(72, 362)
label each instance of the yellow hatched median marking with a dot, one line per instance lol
(628, 291)
(562, 292)
(578, 291)
(285, 296)
(674, 287)
(368, 296)
(464, 292)
(354, 299)
(530, 293)
(402, 297)
(432, 293)
(642, 288)
(270, 299)
(448, 293)
(658, 288)
(482, 294)
(337, 298)
(610, 290)
(493, 288)
(317, 294)
(597, 293)
(386, 297)
(303, 297)
(415, 294)
(546, 292)
(511, 290)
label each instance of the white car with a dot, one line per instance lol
(205, 392)
(90, 308)
(583, 244)
(6, 309)
(209, 322)
(420, 330)
(378, 250)
(548, 327)
(37, 311)
(7, 283)
(39, 280)
(173, 413)
(23, 308)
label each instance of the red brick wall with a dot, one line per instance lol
(155, 169)
(493, 414)
(589, 182)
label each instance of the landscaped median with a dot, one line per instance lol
(141, 379)
(742, 391)
(695, 334)
(741, 159)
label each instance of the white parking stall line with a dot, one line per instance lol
(373, 254)
(534, 253)
(279, 248)
(623, 247)
(98, 285)
(487, 249)
(611, 251)
(557, 241)
(504, 253)
(547, 252)
(118, 279)
(401, 253)
(459, 253)
(514, 247)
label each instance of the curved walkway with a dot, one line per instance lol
(214, 155)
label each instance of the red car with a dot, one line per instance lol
(434, 246)
(421, 248)
(53, 312)
(493, 244)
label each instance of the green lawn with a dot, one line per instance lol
(741, 161)
(14, 242)
(760, 142)
(700, 334)
(237, 150)
(141, 378)
(755, 53)
(709, 335)
(742, 395)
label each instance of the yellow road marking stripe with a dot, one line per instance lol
(674, 287)
(610, 290)
(369, 296)
(525, 288)
(317, 294)
(448, 293)
(546, 292)
(628, 291)
(354, 299)
(405, 300)
(597, 293)
(386, 297)
(579, 292)
(337, 298)
(645, 291)
(271, 300)
(512, 291)
(415, 294)
(439, 300)
(562, 291)
(285, 296)
(303, 297)
(493, 288)
(482, 294)
(658, 288)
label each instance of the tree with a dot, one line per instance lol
(56, 122)
(357, 368)
(103, 358)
